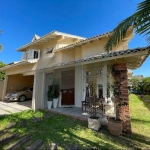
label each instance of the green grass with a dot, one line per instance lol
(67, 131)
(140, 115)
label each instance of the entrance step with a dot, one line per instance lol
(36, 144)
(53, 146)
(8, 138)
(23, 123)
(46, 116)
(10, 125)
(35, 119)
(19, 143)
(74, 147)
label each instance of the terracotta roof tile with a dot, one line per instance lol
(104, 55)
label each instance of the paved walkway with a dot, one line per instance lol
(13, 107)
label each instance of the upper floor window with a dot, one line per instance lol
(36, 55)
(49, 50)
(31, 54)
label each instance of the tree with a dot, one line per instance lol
(146, 82)
(134, 83)
(140, 21)
(140, 86)
(2, 73)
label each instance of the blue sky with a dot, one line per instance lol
(21, 19)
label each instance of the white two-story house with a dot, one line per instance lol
(77, 63)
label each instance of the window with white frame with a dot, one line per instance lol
(31, 54)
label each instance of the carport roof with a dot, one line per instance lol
(14, 64)
(138, 55)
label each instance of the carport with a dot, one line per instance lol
(18, 75)
(19, 81)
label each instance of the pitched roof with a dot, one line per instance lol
(14, 64)
(84, 41)
(36, 37)
(109, 56)
(50, 35)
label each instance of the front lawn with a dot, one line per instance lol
(67, 131)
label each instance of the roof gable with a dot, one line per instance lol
(36, 37)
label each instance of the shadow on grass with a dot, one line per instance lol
(140, 121)
(147, 105)
(67, 131)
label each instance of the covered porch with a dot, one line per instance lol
(77, 113)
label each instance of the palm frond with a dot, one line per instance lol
(139, 20)
(119, 33)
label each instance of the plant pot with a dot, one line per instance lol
(94, 123)
(55, 102)
(49, 104)
(115, 127)
(103, 120)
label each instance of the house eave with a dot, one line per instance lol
(51, 35)
(80, 43)
(15, 65)
(138, 52)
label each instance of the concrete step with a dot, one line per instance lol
(35, 145)
(53, 146)
(8, 138)
(19, 143)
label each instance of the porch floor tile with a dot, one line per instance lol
(75, 112)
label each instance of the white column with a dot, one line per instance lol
(38, 91)
(78, 85)
(43, 90)
(5, 87)
(104, 76)
(84, 84)
(33, 97)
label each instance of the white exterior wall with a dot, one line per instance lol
(5, 87)
(78, 85)
(48, 78)
(38, 89)
(104, 76)
(1, 89)
(64, 42)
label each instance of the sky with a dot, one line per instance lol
(21, 19)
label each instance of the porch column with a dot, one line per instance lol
(38, 91)
(104, 76)
(5, 87)
(78, 85)
(122, 97)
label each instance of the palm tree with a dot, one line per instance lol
(140, 21)
(1, 47)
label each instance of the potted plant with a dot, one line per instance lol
(93, 120)
(56, 94)
(115, 126)
(50, 94)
